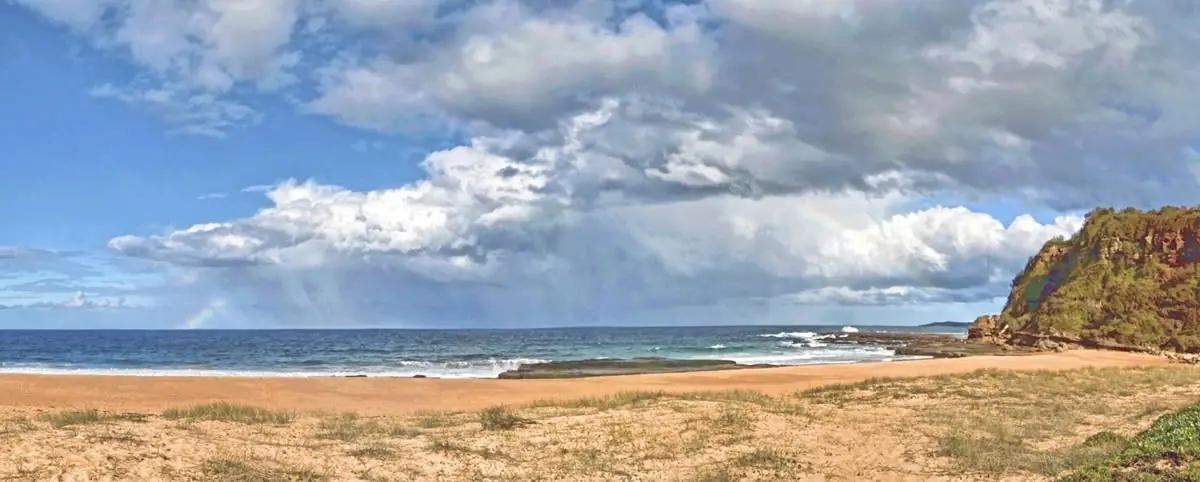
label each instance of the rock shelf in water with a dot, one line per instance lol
(607, 367)
(921, 344)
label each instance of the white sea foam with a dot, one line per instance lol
(791, 334)
(822, 357)
(809, 343)
(404, 369)
(717, 347)
(849, 329)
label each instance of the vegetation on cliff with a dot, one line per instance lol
(1127, 277)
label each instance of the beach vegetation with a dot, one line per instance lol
(16, 425)
(1022, 422)
(448, 447)
(68, 418)
(401, 430)
(726, 420)
(501, 418)
(228, 412)
(767, 459)
(1127, 277)
(254, 469)
(1167, 451)
(377, 451)
(429, 419)
(629, 399)
(988, 424)
(347, 427)
(607, 402)
(719, 474)
(117, 437)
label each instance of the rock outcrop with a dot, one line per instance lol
(921, 344)
(1127, 281)
(608, 367)
(988, 329)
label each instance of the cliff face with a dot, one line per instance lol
(1127, 278)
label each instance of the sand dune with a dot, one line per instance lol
(380, 396)
(1012, 424)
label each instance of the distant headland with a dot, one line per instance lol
(947, 324)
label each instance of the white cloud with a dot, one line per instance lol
(187, 111)
(193, 53)
(504, 237)
(76, 301)
(626, 156)
(385, 13)
(80, 15)
(210, 44)
(497, 67)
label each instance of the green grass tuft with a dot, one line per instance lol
(228, 412)
(434, 419)
(501, 418)
(78, 417)
(1167, 451)
(610, 402)
(247, 469)
(373, 451)
(347, 428)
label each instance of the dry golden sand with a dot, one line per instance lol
(379, 396)
(1021, 419)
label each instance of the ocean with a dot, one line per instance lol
(405, 353)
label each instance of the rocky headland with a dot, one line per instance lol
(1127, 281)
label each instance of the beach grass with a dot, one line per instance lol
(350, 427)
(455, 448)
(375, 450)
(1008, 422)
(347, 427)
(16, 425)
(501, 418)
(431, 419)
(228, 412)
(1080, 425)
(117, 437)
(627, 399)
(254, 469)
(69, 418)
(608, 402)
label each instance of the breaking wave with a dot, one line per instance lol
(403, 368)
(791, 334)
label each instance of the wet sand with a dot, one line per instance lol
(393, 396)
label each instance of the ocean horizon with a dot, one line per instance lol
(434, 353)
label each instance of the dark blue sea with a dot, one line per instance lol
(404, 353)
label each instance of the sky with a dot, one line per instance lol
(522, 163)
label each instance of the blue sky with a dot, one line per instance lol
(430, 163)
(92, 170)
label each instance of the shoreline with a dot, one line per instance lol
(398, 396)
(302, 375)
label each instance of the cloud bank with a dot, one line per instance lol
(628, 157)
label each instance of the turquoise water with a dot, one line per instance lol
(434, 353)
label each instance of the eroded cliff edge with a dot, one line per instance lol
(1128, 280)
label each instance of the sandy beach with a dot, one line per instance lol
(380, 396)
(1025, 418)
